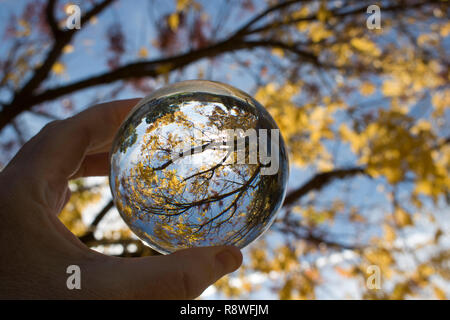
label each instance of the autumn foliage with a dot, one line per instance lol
(364, 113)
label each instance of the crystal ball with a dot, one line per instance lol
(198, 163)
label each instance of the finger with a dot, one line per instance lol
(65, 199)
(182, 275)
(93, 166)
(60, 148)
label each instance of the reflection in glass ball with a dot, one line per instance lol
(198, 163)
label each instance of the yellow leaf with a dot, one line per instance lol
(302, 13)
(365, 45)
(424, 187)
(324, 165)
(58, 68)
(318, 32)
(382, 258)
(427, 39)
(93, 20)
(346, 273)
(278, 52)
(312, 273)
(445, 29)
(422, 125)
(302, 26)
(392, 174)
(68, 49)
(424, 270)
(67, 8)
(367, 89)
(174, 21)
(402, 218)
(164, 68)
(26, 29)
(143, 52)
(392, 88)
(440, 101)
(389, 233)
(440, 294)
(323, 14)
(349, 135)
(182, 4)
(401, 290)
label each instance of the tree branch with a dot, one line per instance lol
(23, 100)
(319, 181)
(50, 16)
(263, 14)
(316, 239)
(151, 68)
(89, 236)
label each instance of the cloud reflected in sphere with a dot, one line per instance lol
(198, 163)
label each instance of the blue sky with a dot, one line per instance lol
(90, 45)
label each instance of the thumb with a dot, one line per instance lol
(184, 274)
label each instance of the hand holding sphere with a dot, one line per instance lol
(198, 163)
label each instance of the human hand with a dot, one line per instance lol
(36, 248)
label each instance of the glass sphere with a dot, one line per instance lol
(198, 163)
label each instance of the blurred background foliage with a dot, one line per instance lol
(364, 112)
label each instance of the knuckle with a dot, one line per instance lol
(186, 285)
(51, 126)
(194, 275)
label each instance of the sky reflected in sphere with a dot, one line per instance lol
(186, 170)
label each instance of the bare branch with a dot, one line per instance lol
(44, 114)
(89, 236)
(316, 239)
(319, 181)
(51, 20)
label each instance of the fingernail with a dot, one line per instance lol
(230, 258)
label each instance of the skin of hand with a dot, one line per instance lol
(36, 248)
